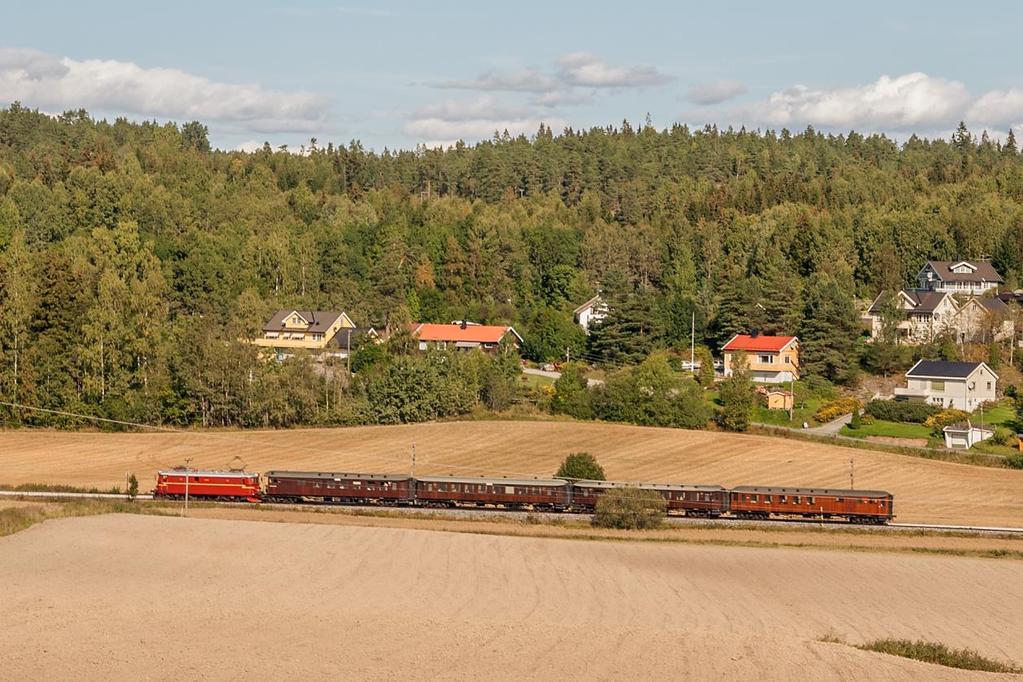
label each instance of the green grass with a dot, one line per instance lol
(535, 381)
(888, 429)
(1002, 414)
(14, 519)
(939, 654)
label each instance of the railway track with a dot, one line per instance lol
(470, 514)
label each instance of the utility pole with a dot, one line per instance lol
(568, 354)
(412, 478)
(348, 354)
(852, 485)
(792, 390)
(692, 344)
(188, 460)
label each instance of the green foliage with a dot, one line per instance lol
(705, 375)
(549, 334)
(145, 257)
(571, 394)
(857, 421)
(133, 487)
(939, 654)
(581, 465)
(901, 410)
(738, 396)
(1003, 436)
(834, 409)
(651, 394)
(630, 508)
(1014, 461)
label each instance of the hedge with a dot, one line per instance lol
(836, 408)
(901, 411)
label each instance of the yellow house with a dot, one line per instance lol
(309, 330)
(770, 359)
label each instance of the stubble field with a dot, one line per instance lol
(164, 598)
(925, 491)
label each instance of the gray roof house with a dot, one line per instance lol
(960, 385)
(959, 277)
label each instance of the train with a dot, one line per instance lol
(521, 494)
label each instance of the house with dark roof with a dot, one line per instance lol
(462, 335)
(770, 359)
(310, 330)
(926, 315)
(983, 320)
(959, 277)
(960, 385)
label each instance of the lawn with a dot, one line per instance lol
(1002, 414)
(888, 429)
(535, 381)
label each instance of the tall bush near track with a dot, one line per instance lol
(581, 465)
(630, 508)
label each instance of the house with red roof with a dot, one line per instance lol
(462, 335)
(770, 359)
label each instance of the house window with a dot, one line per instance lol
(766, 359)
(989, 385)
(788, 360)
(938, 386)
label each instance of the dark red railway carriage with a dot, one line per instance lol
(229, 486)
(762, 502)
(341, 488)
(681, 499)
(498, 492)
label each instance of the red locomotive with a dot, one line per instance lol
(223, 486)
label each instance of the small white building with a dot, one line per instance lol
(964, 435)
(959, 385)
(594, 310)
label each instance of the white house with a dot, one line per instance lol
(959, 277)
(594, 310)
(960, 385)
(926, 315)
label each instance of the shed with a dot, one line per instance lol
(964, 435)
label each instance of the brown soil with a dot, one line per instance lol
(167, 598)
(925, 490)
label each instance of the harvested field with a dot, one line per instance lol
(166, 598)
(926, 491)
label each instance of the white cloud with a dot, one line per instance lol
(248, 146)
(524, 80)
(998, 108)
(715, 92)
(485, 107)
(54, 84)
(444, 123)
(907, 102)
(585, 69)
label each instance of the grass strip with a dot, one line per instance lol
(939, 654)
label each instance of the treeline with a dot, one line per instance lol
(134, 257)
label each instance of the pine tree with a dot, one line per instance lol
(830, 334)
(738, 396)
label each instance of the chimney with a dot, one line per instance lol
(463, 324)
(754, 333)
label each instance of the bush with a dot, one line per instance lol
(1003, 436)
(936, 422)
(901, 410)
(581, 465)
(133, 487)
(630, 508)
(836, 408)
(1014, 461)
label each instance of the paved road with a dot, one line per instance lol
(556, 375)
(830, 429)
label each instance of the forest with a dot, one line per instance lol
(135, 259)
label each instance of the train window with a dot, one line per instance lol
(795, 500)
(767, 499)
(756, 498)
(809, 500)
(782, 499)
(839, 499)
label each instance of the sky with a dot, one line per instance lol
(397, 74)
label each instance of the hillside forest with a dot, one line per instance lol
(135, 260)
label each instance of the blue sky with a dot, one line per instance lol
(397, 74)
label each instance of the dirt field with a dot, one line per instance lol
(925, 491)
(118, 597)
